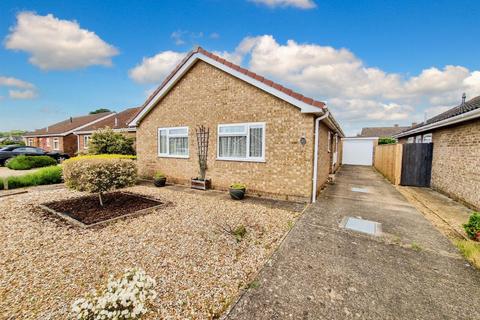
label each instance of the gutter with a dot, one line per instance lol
(460, 118)
(315, 155)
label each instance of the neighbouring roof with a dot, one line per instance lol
(381, 131)
(307, 104)
(118, 121)
(69, 125)
(451, 114)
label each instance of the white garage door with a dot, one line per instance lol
(358, 151)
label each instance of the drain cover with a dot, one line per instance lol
(364, 190)
(364, 226)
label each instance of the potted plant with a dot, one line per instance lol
(159, 179)
(201, 182)
(237, 191)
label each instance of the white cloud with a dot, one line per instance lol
(55, 44)
(22, 94)
(21, 89)
(155, 69)
(181, 37)
(302, 4)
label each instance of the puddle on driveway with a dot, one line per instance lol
(364, 226)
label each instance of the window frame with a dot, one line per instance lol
(48, 143)
(57, 141)
(86, 141)
(411, 139)
(168, 155)
(30, 142)
(418, 138)
(247, 125)
(427, 135)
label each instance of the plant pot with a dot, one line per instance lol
(160, 182)
(201, 184)
(237, 194)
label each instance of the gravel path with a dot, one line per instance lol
(200, 270)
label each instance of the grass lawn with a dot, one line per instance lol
(200, 269)
(470, 250)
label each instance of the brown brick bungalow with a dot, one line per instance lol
(277, 141)
(456, 150)
(118, 123)
(60, 136)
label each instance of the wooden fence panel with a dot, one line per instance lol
(388, 161)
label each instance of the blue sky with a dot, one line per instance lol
(375, 63)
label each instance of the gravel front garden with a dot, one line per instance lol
(199, 267)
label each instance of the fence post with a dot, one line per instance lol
(398, 163)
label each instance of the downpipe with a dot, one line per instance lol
(315, 156)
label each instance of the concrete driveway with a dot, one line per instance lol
(323, 271)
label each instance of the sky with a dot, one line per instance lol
(375, 63)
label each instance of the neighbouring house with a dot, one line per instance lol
(60, 136)
(456, 150)
(276, 141)
(382, 132)
(118, 123)
(360, 150)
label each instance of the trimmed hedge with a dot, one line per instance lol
(29, 162)
(101, 156)
(47, 175)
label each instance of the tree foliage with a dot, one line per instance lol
(100, 110)
(387, 140)
(106, 141)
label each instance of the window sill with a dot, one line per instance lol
(241, 160)
(172, 156)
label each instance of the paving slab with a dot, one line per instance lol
(323, 271)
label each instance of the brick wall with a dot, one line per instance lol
(208, 96)
(456, 162)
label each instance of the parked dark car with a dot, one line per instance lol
(9, 152)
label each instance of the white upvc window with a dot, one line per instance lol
(173, 142)
(427, 138)
(86, 141)
(329, 143)
(411, 140)
(48, 142)
(56, 144)
(418, 139)
(30, 142)
(241, 142)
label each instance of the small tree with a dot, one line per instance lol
(99, 174)
(106, 141)
(101, 110)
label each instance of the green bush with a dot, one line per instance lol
(29, 162)
(473, 225)
(11, 142)
(99, 174)
(159, 175)
(106, 141)
(101, 156)
(1, 183)
(387, 140)
(47, 175)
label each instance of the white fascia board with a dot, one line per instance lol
(460, 118)
(305, 108)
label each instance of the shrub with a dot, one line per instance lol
(387, 140)
(29, 162)
(1, 183)
(125, 298)
(9, 142)
(473, 225)
(106, 141)
(99, 174)
(102, 156)
(47, 175)
(238, 186)
(159, 175)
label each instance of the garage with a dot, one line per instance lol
(358, 151)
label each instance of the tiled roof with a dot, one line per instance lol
(123, 119)
(68, 125)
(381, 131)
(468, 106)
(244, 71)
